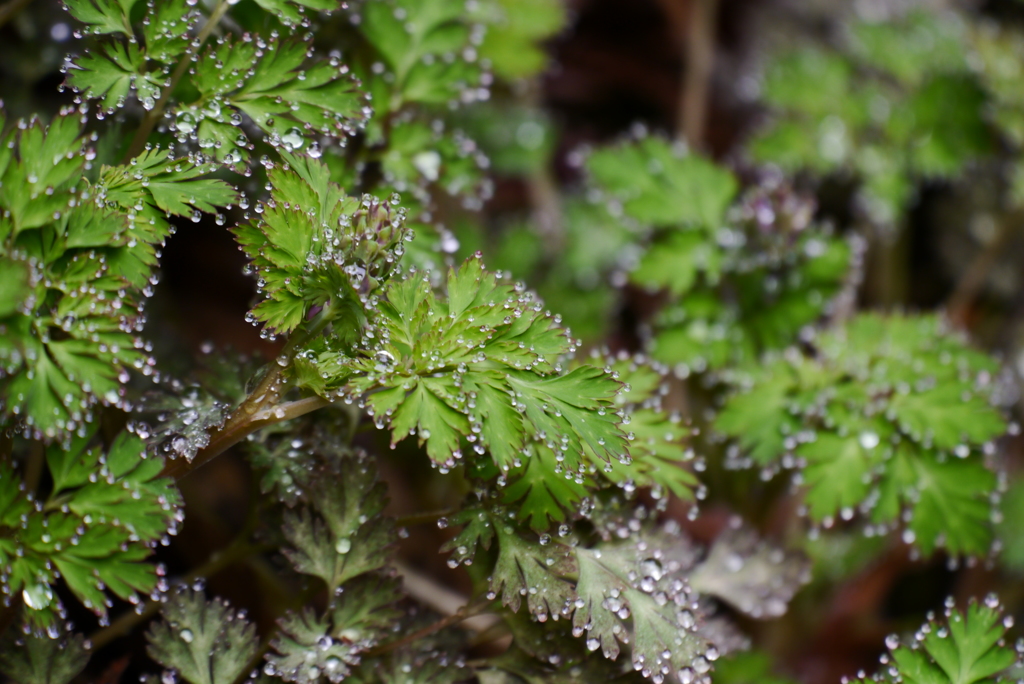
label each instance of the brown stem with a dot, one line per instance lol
(424, 518)
(34, 466)
(700, 57)
(153, 115)
(9, 10)
(461, 614)
(234, 431)
(974, 278)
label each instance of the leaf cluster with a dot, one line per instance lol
(895, 103)
(892, 417)
(744, 273)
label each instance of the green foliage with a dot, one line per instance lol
(661, 184)
(426, 50)
(37, 659)
(273, 83)
(752, 667)
(313, 246)
(345, 534)
(571, 471)
(514, 31)
(627, 591)
(94, 529)
(897, 103)
(969, 648)
(744, 276)
(890, 417)
(483, 362)
(310, 647)
(80, 257)
(205, 642)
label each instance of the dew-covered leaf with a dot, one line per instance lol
(620, 583)
(312, 245)
(481, 363)
(749, 574)
(102, 16)
(890, 418)
(662, 184)
(92, 531)
(206, 642)
(343, 533)
(309, 647)
(968, 647)
(121, 487)
(291, 98)
(42, 659)
(422, 44)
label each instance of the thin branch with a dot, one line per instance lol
(700, 58)
(10, 9)
(152, 116)
(424, 518)
(234, 432)
(974, 278)
(439, 597)
(464, 613)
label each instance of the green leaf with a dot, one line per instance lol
(676, 262)
(123, 486)
(545, 489)
(660, 634)
(42, 659)
(515, 29)
(413, 38)
(309, 646)
(535, 570)
(949, 416)
(758, 416)
(481, 365)
(290, 12)
(14, 287)
(912, 47)
(95, 529)
(111, 74)
(954, 508)
(166, 28)
(312, 245)
(344, 533)
(206, 642)
(890, 418)
(967, 650)
(660, 183)
(273, 83)
(752, 667)
(102, 16)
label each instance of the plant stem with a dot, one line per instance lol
(700, 57)
(34, 466)
(153, 115)
(238, 550)
(974, 278)
(438, 597)
(232, 434)
(424, 518)
(463, 613)
(9, 10)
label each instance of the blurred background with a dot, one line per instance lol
(902, 119)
